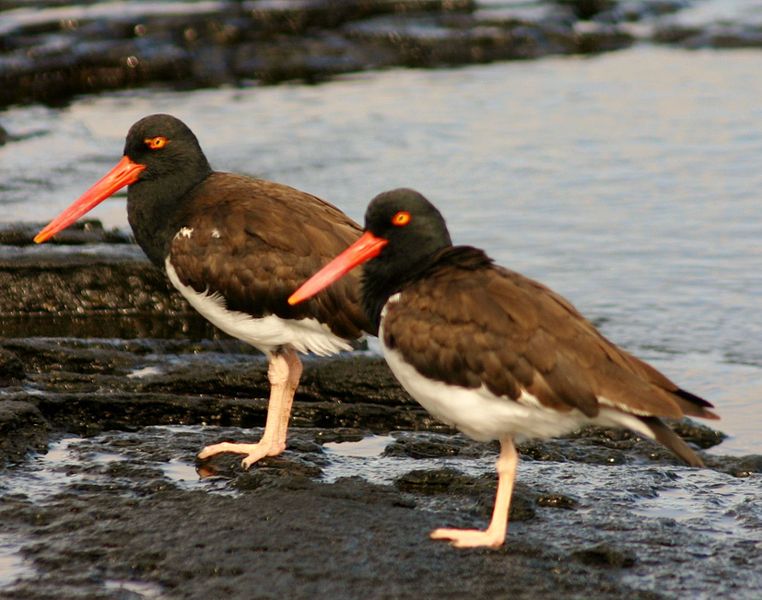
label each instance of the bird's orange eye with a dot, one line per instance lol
(156, 143)
(401, 218)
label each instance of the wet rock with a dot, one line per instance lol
(740, 466)
(346, 539)
(339, 434)
(101, 291)
(557, 501)
(697, 433)
(85, 231)
(225, 534)
(415, 447)
(48, 59)
(739, 35)
(23, 429)
(479, 490)
(593, 38)
(281, 474)
(604, 555)
(586, 9)
(638, 10)
(11, 368)
(436, 482)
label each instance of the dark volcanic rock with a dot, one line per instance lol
(738, 35)
(22, 429)
(605, 556)
(84, 231)
(45, 57)
(49, 59)
(298, 539)
(11, 368)
(95, 290)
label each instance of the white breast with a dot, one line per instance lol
(265, 333)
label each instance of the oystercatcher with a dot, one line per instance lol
(234, 247)
(494, 353)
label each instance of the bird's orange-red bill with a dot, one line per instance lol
(124, 173)
(366, 247)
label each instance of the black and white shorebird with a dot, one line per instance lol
(235, 247)
(491, 352)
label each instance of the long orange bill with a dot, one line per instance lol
(366, 247)
(124, 173)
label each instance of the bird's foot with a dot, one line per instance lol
(469, 538)
(253, 452)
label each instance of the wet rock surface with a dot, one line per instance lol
(102, 496)
(51, 52)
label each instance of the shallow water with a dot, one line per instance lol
(629, 182)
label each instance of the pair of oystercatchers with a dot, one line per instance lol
(495, 354)
(235, 247)
(491, 352)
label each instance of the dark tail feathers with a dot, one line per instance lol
(668, 438)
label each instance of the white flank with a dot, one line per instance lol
(265, 333)
(216, 234)
(484, 416)
(185, 232)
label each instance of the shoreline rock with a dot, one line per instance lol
(51, 54)
(101, 498)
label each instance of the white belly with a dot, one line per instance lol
(483, 416)
(265, 333)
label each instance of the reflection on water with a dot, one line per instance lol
(12, 564)
(629, 182)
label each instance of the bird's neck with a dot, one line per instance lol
(156, 207)
(387, 275)
(382, 279)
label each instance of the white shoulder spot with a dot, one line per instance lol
(185, 232)
(393, 299)
(216, 233)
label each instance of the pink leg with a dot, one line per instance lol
(494, 535)
(295, 369)
(283, 372)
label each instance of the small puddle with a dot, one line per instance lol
(46, 474)
(710, 502)
(373, 445)
(365, 458)
(180, 472)
(12, 565)
(145, 372)
(143, 590)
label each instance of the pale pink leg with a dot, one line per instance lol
(295, 369)
(283, 372)
(494, 535)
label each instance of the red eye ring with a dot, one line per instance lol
(156, 143)
(401, 218)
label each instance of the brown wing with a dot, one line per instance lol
(496, 327)
(254, 242)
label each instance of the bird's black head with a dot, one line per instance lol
(404, 234)
(167, 148)
(413, 229)
(162, 161)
